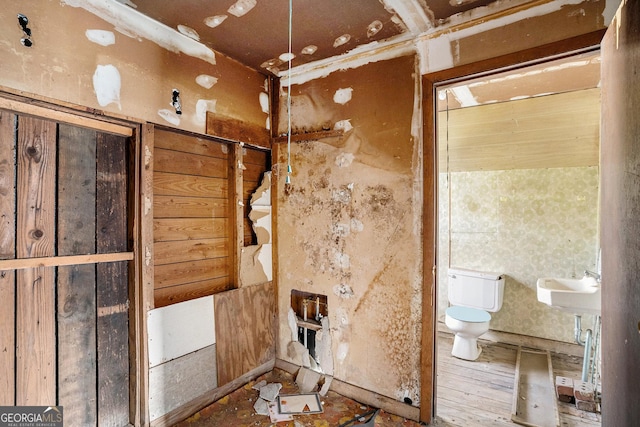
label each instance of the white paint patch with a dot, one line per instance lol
(241, 7)
(189, 32)
(343, 125)
(341, 230)
(341, 40)
(356, 225)
(435, 54)
(129, 3)
(264, 258)
(344, 160)
(464, 96)
(411, 13)
(106, 84)
(130, 20)
(214, 21)
(342, 96)
(309, 50)
(264, 102)
(206, 81)
(202, 106)
(343, 350)
(101, 37)
(287, 56)
(374, 28)
(292, 320)
(342, 261)
(169, 116)
(344, 291)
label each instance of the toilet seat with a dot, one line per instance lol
(468, 314)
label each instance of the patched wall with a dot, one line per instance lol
(349, 225)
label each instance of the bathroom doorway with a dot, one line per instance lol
(518, 194)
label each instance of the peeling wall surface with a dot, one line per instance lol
(79, 58)
(350, 222)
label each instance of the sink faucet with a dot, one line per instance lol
(592, 274)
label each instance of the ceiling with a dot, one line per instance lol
(256, 32)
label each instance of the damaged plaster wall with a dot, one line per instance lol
(349, 225)
(78, 58)
(256, 264)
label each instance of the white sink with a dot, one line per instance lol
(576, 296)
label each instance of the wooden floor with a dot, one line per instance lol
(480, 393)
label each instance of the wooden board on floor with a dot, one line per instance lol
(534, 403)
(35, 311)
(245, 330)
(112, 282)
(77, 284)
(7, 251)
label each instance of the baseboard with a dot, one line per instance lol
(525, 341)
(362, 395)
(195, 405)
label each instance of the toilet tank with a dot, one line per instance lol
(476, 289)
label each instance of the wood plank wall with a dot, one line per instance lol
(65, 193)
(191, 217)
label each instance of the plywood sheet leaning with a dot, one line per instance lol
(7, 251)
(112, 282)
(35, 235)
(76, 300)
(534, 399)
(245, 330)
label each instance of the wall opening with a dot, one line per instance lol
(309, 309)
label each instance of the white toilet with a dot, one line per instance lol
(471, 295)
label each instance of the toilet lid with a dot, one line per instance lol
(467, 314)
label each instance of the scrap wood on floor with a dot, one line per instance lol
(237, 409)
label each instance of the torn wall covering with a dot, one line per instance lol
(256, 263)
(79, 58)
(349, 225)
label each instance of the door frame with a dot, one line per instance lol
(430, 82)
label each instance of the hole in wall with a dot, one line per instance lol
(310, 308)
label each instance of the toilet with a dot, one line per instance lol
(472, 295)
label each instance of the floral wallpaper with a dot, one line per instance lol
(526, 224)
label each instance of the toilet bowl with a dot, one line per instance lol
(467, 324)
(472, 295)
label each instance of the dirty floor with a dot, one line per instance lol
(236, 409)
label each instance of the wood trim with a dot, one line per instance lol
(24, 263)
(563, 48)
(203, 401)
(310, 136)
(274, 105)
(49, 112)
(236, 212)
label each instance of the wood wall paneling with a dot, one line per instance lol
(245, 330)
(191, 210)
(77, 359)
(561, 130)
(112, 282)
(8, 123)
(35, 317)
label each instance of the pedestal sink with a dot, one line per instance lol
(577, 296)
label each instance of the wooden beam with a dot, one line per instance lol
(236, 212)
(24, 263)
(50, 113)
(237, 130)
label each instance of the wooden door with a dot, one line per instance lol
(64, 261)
(620, 218)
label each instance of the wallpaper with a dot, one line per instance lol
(525, 224)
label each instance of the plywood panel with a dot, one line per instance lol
(35, 317)
(171, 184)
(551, 131)
(189, 228)
(112, 282)
(180, 329)
(189, 207)
(7, 251)
(245, 330)
(167, 381)
(77, 357)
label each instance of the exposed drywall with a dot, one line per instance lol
(349, 224)
(256, 264)
(79, 58)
